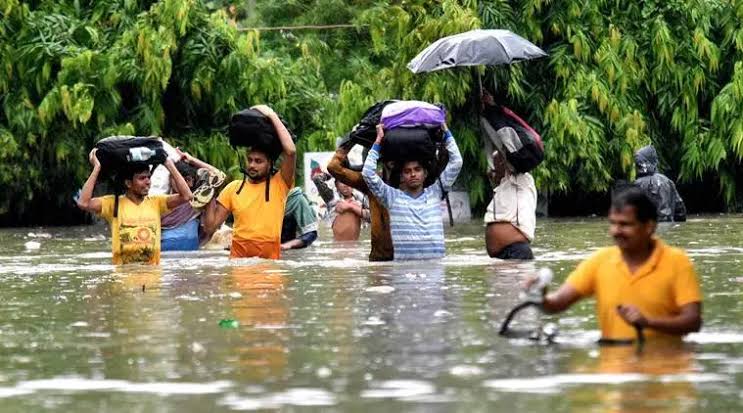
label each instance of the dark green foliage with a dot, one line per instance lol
(619, 75)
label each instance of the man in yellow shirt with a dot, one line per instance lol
(135, 226)
(257, 205)
(639, 283)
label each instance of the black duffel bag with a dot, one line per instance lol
(365, 132)
(409, 144)
(250, 128)
(118, 154)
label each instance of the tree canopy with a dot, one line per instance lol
(619, 75)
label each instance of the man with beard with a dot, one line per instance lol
(135, 225)
(415, 211)
(258, 204)
(641, 283)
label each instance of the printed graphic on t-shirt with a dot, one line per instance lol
(137, 242)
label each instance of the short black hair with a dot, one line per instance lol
(133, 169)
(186, 170)
(645, 208)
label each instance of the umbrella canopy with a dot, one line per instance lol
(476, 47)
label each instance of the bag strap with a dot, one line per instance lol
(242, 184)
(268, 179)
(445, 195)
(117, 193)
(508, 112)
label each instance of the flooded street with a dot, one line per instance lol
(325, 330)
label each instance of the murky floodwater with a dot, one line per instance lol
(325, 330)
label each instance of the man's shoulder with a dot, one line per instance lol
(525, 179)
(675, 254)
(154, 201)
(232, 186)
(604, 253)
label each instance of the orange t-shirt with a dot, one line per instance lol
(659, 288)
(256, 220)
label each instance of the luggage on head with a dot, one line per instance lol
(364, 133)
(412, 129)
(119, 154)
(407, 144)
(412, 132)
(412, 113)
(519, 142)
(250, 128)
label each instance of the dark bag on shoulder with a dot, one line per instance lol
(524, 149)
(251, 129)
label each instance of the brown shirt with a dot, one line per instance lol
(381, 240)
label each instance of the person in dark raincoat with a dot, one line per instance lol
(657, 186)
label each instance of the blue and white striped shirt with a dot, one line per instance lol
(416, 225)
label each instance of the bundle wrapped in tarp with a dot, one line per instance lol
(250, 128)
(412, 113)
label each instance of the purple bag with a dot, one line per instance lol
(412, 113)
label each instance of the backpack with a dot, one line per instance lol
(518, 141)
(252, 129)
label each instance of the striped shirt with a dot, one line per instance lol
(415, 223)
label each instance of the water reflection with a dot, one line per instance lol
(262, 310)
(325, 329)
(662, 387)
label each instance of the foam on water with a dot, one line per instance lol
(399, 389)
(554, 383)
(714, 337)
(52, 268)
(291, 397)
(77, 384)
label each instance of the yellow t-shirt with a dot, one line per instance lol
(256, 219)
(659, 288)
(135, 233)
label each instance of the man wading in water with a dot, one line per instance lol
(135, 230)
(511, 217)
(415, 212)
(639, 283)
(258, 215)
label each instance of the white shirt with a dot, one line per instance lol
(515, 201)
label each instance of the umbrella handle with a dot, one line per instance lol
(478, 96)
